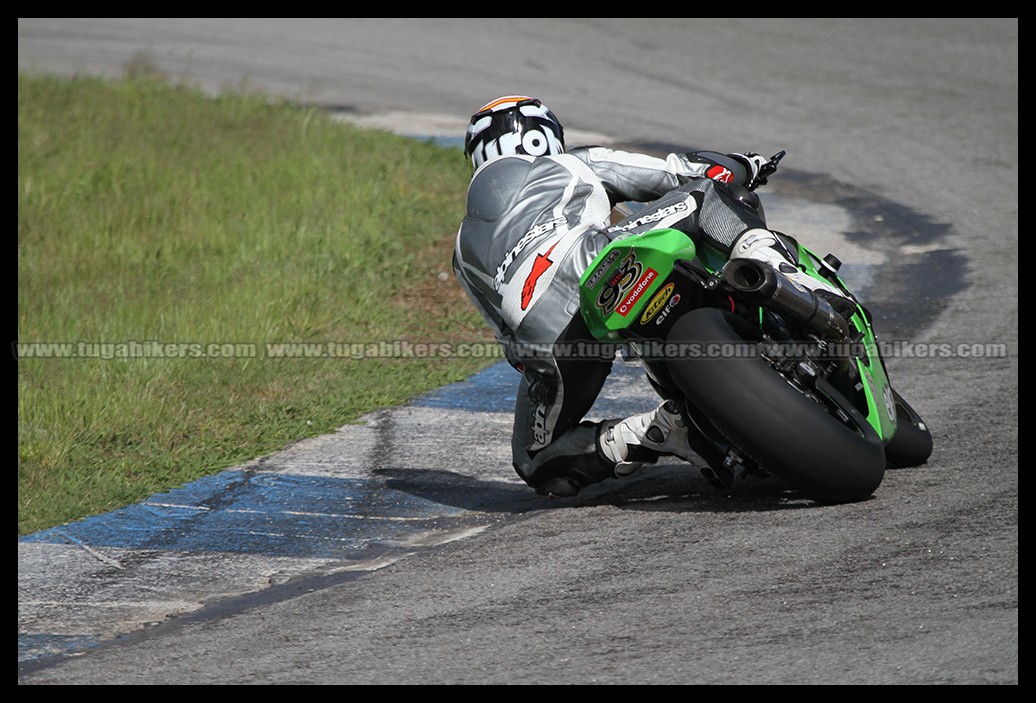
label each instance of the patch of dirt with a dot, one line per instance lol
(437, 307)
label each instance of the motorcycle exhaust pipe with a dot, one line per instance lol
(762, 284)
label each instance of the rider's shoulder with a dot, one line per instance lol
(522, 163)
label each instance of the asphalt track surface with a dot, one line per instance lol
(403, 550)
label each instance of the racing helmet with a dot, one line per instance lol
(512, 124)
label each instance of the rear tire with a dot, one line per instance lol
(788, 433)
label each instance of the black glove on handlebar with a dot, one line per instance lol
(754, 164)
(759, 167)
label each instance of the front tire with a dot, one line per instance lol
(788, 433)
(912, 444)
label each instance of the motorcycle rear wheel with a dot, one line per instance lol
(790, 434)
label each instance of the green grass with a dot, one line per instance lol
(150, 213)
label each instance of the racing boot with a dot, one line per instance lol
(763, 245)
(643, 438)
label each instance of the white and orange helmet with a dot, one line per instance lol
(512, 124)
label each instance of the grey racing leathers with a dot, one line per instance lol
(533, 226)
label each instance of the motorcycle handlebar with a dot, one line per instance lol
(767, 170)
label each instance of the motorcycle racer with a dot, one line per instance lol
(537, 216)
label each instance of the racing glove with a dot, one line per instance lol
(753, 163)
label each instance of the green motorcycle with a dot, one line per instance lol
(772, 379)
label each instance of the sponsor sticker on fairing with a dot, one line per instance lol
(638, 289)
(657, 302)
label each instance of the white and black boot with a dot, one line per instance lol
(763, 245)
(640, 439)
